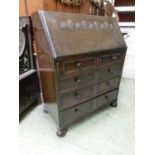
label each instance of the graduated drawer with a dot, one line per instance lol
(73, 114)
(78, 80)
(77, 64)
(111, 58)
(110, 71)
(77, 96)
(107, 85)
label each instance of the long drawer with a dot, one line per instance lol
(70, 115)
(81, 79)
(80, 95)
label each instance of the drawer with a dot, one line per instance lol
(108, 84)
(78, 64)
(78, 80)
(106, 98)
(73, 114)
(110, 71)
(112, 58)
(75, 97)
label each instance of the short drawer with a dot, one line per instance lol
(74, 65)
(112, 58)
(108, 84)
(71, 115)
(77, 96)
(110, 71)
(78, 80)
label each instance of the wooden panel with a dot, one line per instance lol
(48, 85)
(50, 5)
(124, 2)
(59, 6)
(66, 8)
(34, 5)
(126, 16)
(22, 8)
(86, 8)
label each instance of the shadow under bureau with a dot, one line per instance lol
(80, 61)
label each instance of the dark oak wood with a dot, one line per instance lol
(48, 85)
(80, 68)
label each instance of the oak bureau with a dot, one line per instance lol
(80, 61)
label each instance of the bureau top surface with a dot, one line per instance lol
(72, 34)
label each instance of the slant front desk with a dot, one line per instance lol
(80, 62)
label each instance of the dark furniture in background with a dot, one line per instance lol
(28, 80)
(80, 61)
(126, 10)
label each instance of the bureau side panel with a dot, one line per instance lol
(46, 69)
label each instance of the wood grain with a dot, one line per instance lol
(50, 5)
(22, 8)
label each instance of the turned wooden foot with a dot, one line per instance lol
(113, 104)
(61, 132)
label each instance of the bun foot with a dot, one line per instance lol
(61, 132)
(113, 104)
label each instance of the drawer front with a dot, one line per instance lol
(106, 98)
(70, 115)
(78, 64)
(77, 96)
(108, 84)
(110, 71)
(113, 58)
(78, 80)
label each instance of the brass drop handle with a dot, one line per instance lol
(78, 64)
(77, 95)
(76, 79)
